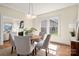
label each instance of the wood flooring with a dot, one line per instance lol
(55, 49)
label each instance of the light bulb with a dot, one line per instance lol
(33, 17)
(28, 15)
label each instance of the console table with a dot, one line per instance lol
(74, 48)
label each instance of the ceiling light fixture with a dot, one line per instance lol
(30, 14)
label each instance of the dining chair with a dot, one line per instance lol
(6, 36)
(43, 44)
(23, 45)
(11, 37)
(42, 35)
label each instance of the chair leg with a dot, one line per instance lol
(35, 51)
(46, 52)
(15, 48)
(12, 50)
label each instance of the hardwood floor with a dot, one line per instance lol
(55, 49)
(64, 50)
(6, 44)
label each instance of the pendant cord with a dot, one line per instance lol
(29, 7)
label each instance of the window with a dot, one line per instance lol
(53, 27)
(50, 25)
(7, 27)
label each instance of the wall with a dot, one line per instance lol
(1, 31)
(66, 16)
(28, 23)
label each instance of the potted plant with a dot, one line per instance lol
(72, 33)
(29, 31)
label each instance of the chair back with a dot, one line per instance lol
(23, 44)
(6, 36)
(42, 35)
(46, 41)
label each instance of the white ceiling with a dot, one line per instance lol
(38, 8)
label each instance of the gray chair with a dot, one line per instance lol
(11, 37)
(43, 44)
(42, 35)
(23, 45)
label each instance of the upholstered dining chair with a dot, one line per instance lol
(42, 35)
(11, 37)
(43, 44)
(23, 45)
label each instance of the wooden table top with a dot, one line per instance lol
(36, 37)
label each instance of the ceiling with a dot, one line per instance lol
(38, 8)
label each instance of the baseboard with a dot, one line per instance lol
(59, 43)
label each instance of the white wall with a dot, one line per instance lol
(66, 16)
(27, 23)
(1, 31)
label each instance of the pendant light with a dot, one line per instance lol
(30, 14)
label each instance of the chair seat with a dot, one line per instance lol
(40, 44)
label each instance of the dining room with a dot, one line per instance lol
(37, 29)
